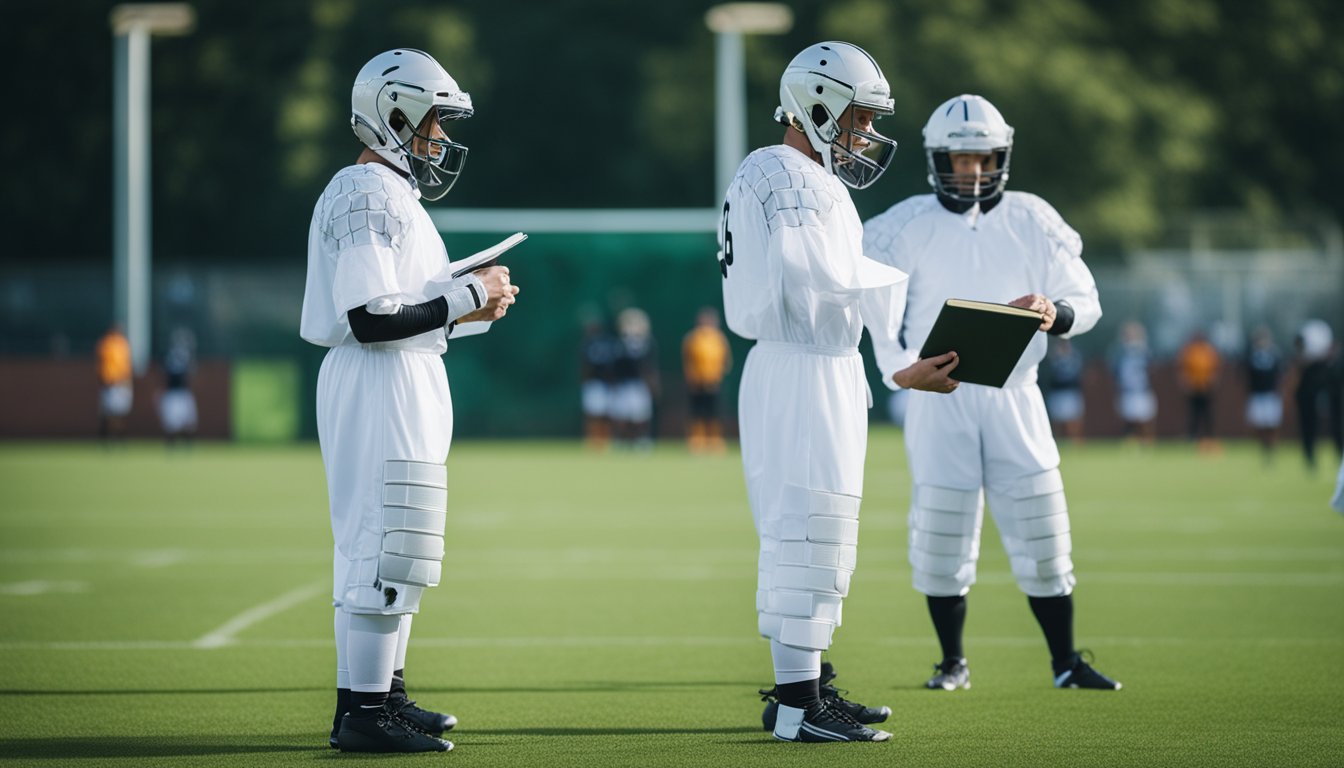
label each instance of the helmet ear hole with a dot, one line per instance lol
(819, 116)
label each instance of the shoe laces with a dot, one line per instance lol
(1083, 659)
(769, 694)
(400, 705)
(831, 692)
(838, 713)
(412, 730)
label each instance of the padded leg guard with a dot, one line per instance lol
(807, 557)
(944, 539)
(1033, 519)
(415, 500)
(364, 593)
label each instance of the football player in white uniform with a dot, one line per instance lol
(796, 281)
(972, 240)
(378, 296)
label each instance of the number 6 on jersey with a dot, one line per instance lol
(725, 255)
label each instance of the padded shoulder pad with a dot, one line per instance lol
(1049, 220)
(880, 231)
(791, 195)
(362, 211)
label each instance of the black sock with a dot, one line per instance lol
(949, 618)
(802, 694)
(365, 704)
(342, 706)
(1055, 615)
(398, 683)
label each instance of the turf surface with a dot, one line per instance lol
(598, 611)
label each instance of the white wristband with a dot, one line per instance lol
(465, 295)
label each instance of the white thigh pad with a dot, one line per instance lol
(1033, 520)
(415, 499)
(807, 572)
(944, 538)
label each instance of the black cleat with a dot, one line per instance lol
(1080, 674)
(865, 715)
(432, 723)
(386, 733)
(822, 722)
(950, 675)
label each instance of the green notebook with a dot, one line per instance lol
(988, 338)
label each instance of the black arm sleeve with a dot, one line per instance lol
(1063, 319)
(410, 320)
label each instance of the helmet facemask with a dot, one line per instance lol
(859, 157)
(439, 162)
(964, 187)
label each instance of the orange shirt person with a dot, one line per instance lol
(1198, 365)
(706, 359)
(114, 378)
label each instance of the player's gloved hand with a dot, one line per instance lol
(929, 374)
(1037, 303)
(500, 295)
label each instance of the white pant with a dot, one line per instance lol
(804, 432)
(630, 401)
(998, 440)
(1264, 410)
(115, 400)
(177, 411)
(1137, 407)
(372, 406)
(596, 398)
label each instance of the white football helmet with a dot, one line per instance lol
(392, 95)
(967, 123)
(817, 87)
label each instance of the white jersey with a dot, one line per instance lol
(1021, 246)
(791, 251)
(371, 244)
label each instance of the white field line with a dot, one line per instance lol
(159, 558)
(666, 641)
(224, 635)
(37, 588)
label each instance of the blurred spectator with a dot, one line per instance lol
(1197, 367)
(636, 379)
(1264, 404)
(1318, 384)
(1337, 501)
(597, 371)
(177, 405)
(1134, 393)
(1064, 369)
(706, 359)
(114, 379)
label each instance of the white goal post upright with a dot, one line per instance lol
(132, 26)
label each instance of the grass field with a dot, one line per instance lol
(598, 611)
